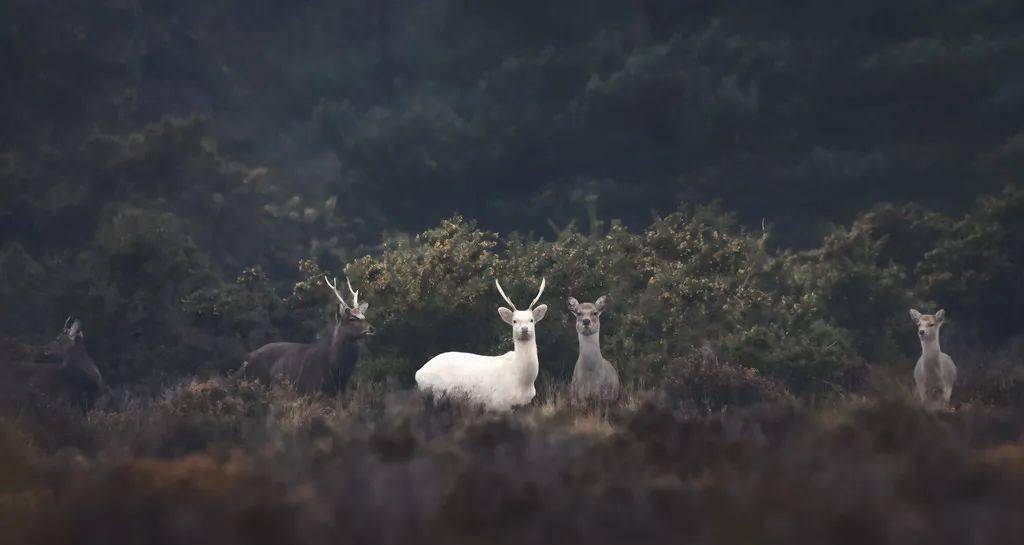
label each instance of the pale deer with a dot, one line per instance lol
(935, 371)
(593, 378)
(325, 365)
(496, 382)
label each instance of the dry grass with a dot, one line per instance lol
(219, 462)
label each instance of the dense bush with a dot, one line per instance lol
(975, 271)
(691, 277)
(707, 385)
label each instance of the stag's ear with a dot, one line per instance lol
(363, 306)
(573, 304)
(940, 316)
(539, 312)
(601, 303)
(75, 330)
(506, 315)
(915, 315)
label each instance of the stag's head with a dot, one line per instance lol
(71, 334)
(927, 324)
(351, 319)
(522, 321)
(588, 315)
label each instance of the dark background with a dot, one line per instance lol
(803, 113)
(150, 150)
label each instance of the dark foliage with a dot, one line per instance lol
(762, 189)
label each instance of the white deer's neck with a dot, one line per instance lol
(526, 360)
(590, 348)
(930, 348)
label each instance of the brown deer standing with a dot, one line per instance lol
(76, 380)
(82, 378)
(325, 365)
(593, 378)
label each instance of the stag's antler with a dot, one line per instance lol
(355, 294)
(505, 297)
(334, 288)
(543, 282)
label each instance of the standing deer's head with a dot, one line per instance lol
(351, 319)
(927, 324)
(71, 334)
(522, 321)
(588, 315)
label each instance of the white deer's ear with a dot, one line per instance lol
(940, 316)
(506, 315)
(363, 306)
(915, 315)
(539, 312)
(601, 303)
(574, 305)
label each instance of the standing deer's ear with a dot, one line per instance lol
(506, 315)
(539, 312)
(601, 303)
(363, 306)
(915, 316)
(574, 305)
(940, 316)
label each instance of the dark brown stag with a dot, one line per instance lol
(83, 381)
(325, 365)
(76, 380)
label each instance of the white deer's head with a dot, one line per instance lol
(927, 324)
(522, 321)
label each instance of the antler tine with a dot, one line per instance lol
(334, 288)
(543, 282)
(505, 297)
(355, 294)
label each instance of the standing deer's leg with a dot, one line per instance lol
(922, 391)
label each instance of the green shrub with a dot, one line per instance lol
(975, 271)
(692, 276)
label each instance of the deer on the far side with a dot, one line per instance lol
(81, 380)
(593, 378)
(325, 365)
(935, 371)
(496, 382)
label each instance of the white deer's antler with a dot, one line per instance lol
(334, 288)
(543, 282)
(505, 297)
(355, 294)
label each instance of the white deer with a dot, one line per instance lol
(496, 382)
(934, 370)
